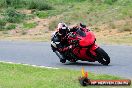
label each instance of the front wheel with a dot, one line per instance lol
(102, 56)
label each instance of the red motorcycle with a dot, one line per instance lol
(84, 47)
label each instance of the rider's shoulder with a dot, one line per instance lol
(53, 34)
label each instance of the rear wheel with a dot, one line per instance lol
(102, 56)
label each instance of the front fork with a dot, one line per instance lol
(93, 48)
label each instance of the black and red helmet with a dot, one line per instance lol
(62, 28)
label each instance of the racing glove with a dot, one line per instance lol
(64, 49)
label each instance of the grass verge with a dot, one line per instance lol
(46, 14)
(21, 76)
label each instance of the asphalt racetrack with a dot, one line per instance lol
(40, 53)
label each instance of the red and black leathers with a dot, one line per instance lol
(64, 44)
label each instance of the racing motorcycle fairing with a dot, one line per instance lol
(87, 40)
(93, 48)
(82, 53)
(86, 44)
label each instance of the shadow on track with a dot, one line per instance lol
(84, 64)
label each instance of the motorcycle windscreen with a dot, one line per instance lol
(87, 40)
(81, 33)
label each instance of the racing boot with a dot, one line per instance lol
(62, 60)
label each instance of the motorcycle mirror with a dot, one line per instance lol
(82, 25)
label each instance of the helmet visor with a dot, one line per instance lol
(62, 30)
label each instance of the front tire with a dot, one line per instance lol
(102, 56)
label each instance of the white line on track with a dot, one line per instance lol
(30, 65)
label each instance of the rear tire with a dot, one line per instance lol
(102, 56)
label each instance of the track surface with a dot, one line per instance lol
(40, 53)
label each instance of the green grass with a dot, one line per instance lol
(29, 25)
(93, 12)
(31, 4)
(90, 12)
(12, 16)
(48, 13)
(10, 27)
(2, 23)
(21, 76)
(42, 14)
(39, 4)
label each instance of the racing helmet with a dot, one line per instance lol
(62, 28)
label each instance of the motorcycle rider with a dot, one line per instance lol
(63, 46)
(62, 31)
